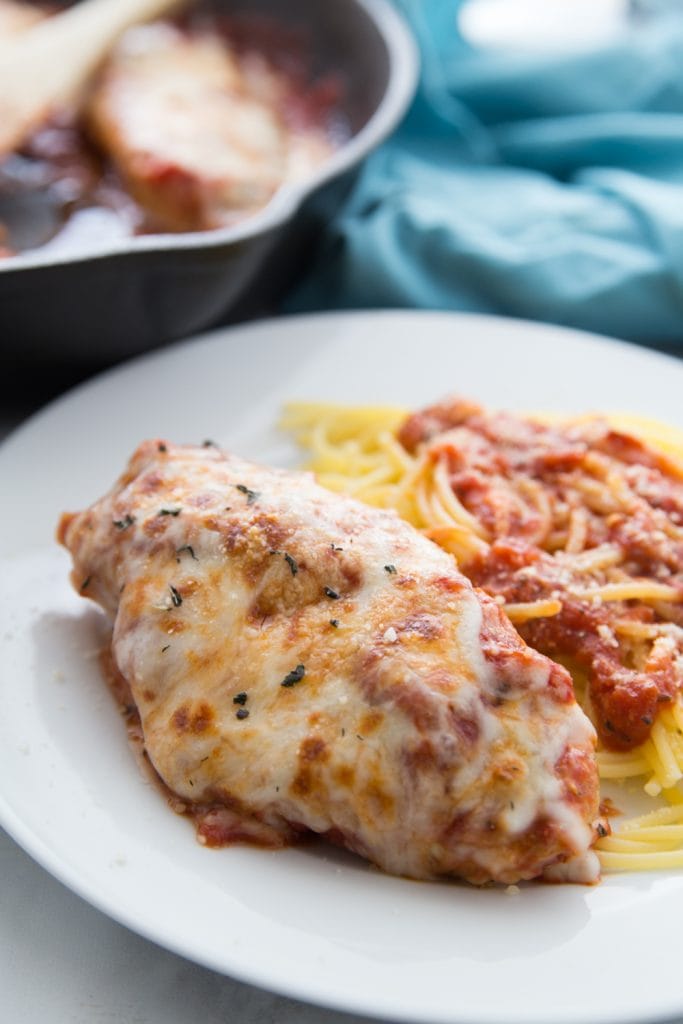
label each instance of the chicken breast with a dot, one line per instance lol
(301, 662)
(193, 147)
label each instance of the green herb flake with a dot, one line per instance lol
(85, 584)
(390, 569)
(176, 597)
(251, 496)
(162, 447)
(209, 444)
(164, 649)
(602, 831)
(240, 698)
(123, 524)
(332, 594)
(335, 623)
(169, 511)
(189, 549)
(294, 677)
(292, 564)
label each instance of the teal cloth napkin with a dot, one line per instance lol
(540, 185)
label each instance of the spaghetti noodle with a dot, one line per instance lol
(576, 528)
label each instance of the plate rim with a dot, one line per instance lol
(40, 851)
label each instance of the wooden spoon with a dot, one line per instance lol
(47, 66)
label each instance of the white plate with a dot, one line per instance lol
(310, 922)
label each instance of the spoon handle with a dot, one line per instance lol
(47, 65)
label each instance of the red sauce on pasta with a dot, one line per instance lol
(586, 520)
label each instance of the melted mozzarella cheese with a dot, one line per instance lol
(17, 17)
(301, 661)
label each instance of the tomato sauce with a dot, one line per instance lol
(549, 498)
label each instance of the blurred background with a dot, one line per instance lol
(536, 173)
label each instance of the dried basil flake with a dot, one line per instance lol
(251, 496)
(123, 524)
(189, 549)
(295, 676)
(291, 563)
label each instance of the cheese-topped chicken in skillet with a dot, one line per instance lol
(198, 136)
(301, 662)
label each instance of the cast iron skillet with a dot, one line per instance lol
(137, 293)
